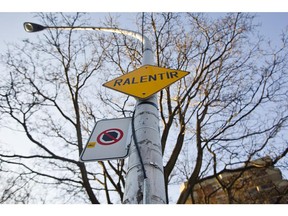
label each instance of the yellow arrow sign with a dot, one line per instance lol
(145, 81)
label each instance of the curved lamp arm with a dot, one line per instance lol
(147, 54)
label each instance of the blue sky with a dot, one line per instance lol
(11, 22)
(272, 24)
(12, 29)
(13, 32)
(147, 5)
(15, 12)
(12, 25)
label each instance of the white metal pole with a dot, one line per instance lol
(149, 190)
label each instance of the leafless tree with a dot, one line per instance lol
(232, 108)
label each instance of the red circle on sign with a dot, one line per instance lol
(105, 137)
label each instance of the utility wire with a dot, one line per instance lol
(137, 146)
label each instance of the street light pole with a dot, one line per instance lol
(145, 175)
(145, 179)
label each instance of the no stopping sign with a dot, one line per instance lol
(110, 139)
(110, 136)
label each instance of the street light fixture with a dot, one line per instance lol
(33, 27)
(146, 127)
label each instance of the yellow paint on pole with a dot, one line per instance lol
(145, 81)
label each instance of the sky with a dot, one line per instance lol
(15, 13)
(146, 5)
(272, 23)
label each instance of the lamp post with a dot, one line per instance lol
(145, 175)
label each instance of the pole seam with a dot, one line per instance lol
(148, 103)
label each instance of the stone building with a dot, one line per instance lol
(259, 183)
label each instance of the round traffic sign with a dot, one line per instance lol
(110, 136)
